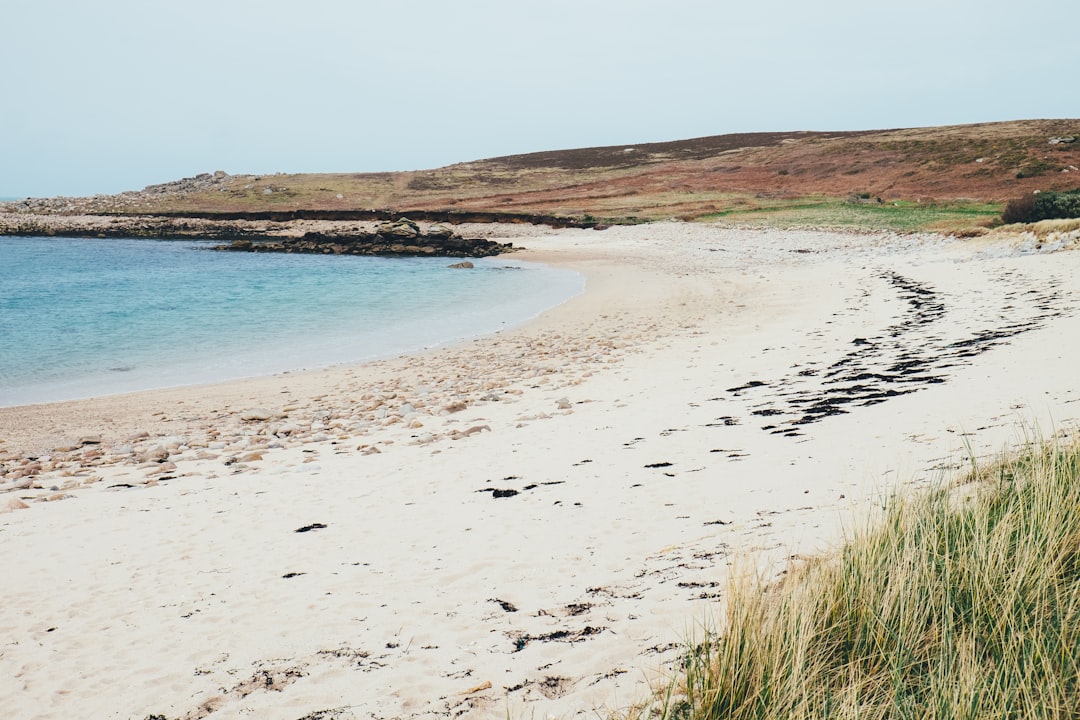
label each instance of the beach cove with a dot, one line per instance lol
(528, 523)
(90, 317)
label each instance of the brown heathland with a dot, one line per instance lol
(988, 162)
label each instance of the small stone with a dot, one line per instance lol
(562, 404)
(154, 454)
(13, 504)
(456, 406)
(90, 440)
(255, 415)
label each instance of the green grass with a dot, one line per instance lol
(832, 212)
(962, 602)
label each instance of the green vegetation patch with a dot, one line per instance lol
(860, 212)
(1047, 205)
(964, 602)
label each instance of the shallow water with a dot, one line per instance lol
(84, 317)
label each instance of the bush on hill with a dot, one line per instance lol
(1047, 205)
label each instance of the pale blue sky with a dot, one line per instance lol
(99, 97)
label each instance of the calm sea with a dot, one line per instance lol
(80, 318)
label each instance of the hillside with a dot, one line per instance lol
(979, 166)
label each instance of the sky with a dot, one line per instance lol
(113, 95)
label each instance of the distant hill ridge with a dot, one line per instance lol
(988, 162)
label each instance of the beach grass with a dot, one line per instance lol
(864, 214)
(962, 601)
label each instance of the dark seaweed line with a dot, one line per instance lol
(903, 361)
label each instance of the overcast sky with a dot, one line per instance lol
(111, 95)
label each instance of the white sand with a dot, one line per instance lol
(167, 576)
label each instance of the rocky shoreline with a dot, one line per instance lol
(400, 237)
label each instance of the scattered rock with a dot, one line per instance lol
(156, 454)
(466, 265)
(13, 504)
(255, 415)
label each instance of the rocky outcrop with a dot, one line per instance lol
(398, 237)
(385, 242)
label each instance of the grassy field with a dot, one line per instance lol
(832, 212)
(962, 602)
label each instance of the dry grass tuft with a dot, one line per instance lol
(958, 604)
(1045, 228)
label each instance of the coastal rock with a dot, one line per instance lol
(440, 231)
(399, 229)
(372, 244)
(466, 265)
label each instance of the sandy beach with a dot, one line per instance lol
(528, 524)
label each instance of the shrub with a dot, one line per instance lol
(1043, 206)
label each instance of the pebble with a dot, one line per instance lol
(14, 504)
(255, 415)
(154, 454)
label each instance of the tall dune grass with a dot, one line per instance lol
(963, 602)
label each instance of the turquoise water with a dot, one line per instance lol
(80, 318)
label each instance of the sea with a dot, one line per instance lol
(87, 317)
